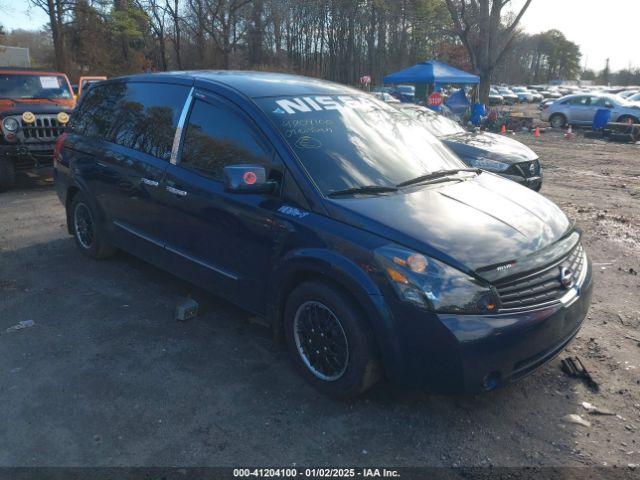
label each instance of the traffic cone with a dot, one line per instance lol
(569, 133)
(503, 130)
(536, 132)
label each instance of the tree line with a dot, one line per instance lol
(339, 40)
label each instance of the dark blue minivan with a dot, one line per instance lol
(364, 241)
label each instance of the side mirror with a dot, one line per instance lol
(247, 179)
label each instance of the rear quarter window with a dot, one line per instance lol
(137, 115)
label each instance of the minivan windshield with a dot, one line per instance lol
(21, 86)
(351, 141)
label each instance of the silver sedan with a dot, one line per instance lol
(581, 110)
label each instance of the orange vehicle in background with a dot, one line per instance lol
(34, 110)
(84, 82)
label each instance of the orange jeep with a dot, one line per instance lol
(34, 110)
(84, 82)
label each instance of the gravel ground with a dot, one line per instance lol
(106, 377)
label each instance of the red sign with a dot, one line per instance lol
(365, 80)
(435, 100)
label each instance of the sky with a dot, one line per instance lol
(603, 29)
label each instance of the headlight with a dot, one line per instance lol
(10, 125)
(432, 284)
(486, 164)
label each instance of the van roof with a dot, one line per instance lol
(258, 84)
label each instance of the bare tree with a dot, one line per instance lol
(57, 11)
(172, 7)
(224, 26)
(485, 33)
(157, 16)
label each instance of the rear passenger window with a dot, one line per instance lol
(141, 116)
(217, 137)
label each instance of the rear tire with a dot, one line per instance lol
(7, 174)
(558, 120)
(329, 342)
(86, 230)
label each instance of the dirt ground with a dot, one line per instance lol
(106, 376)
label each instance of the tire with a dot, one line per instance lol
(86, 231)
(558, 120)
(625, 118)
(7, 174)
(314, 309)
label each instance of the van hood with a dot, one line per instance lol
(482, 221)
(490, 146)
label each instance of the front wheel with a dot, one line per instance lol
(86, 231)
(626, 118)
(558, 120)
(329, 342)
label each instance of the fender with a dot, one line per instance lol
(299, 264)
(76, 181)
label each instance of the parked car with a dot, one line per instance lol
(84, 82)
(536, 96)
(501, 155)
(385, 97)
(554, 94)
(34, 110)
(581, 109)
(507, 95)
(405, 93)
(524, 95)
(628, 93)
(495, 98)
(634, 98)
(363, 240)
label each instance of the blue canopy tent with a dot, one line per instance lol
(431, 73)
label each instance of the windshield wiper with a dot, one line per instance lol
(366, 189)
(436, 175)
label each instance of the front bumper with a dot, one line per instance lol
(28, 155)
(472, 353)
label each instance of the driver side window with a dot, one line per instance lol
(604, 102)
(216, 137)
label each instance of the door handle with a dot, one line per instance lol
(150, 182)
(180, 193)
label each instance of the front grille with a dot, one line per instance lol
(523, 169)
(46, 127)
(540, 287)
